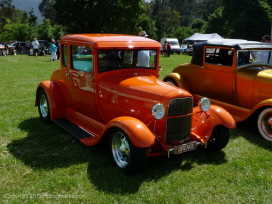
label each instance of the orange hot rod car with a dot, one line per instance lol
(108, 87)
(234, 74)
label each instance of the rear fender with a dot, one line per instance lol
(204, 122)
(179, 79)
(138, 132)
(56, 102)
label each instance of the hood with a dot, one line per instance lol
(135, 95)
(257, 74)
(264, 77)
(143, 87)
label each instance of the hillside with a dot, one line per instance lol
(27, 5)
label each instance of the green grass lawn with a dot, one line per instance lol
(41, 163)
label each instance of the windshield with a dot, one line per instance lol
(174, 42)
(109, 60)
(245, 57)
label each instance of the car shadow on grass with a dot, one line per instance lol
(248, 129)
(47, 146)
(112, 180)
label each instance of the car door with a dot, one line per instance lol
(215, 79)
(79, 80)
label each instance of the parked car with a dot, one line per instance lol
(43, 48)
(189, 50)
(234, 74)
(19, 50)
(183, 48)
(4, 52)
(175, 47)
(103, 90)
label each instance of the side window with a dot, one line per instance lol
(65, 55)
(82, 58)
(219, 56)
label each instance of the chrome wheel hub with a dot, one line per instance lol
(43, 106)
(120, 149)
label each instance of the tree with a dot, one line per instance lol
(199, 25)
(46, 31)
(5, 3)
(247, 19)
(204, 8)
(167, 22)
(47, 10)
(217, 24)
(106, 16)
(183, 32)
(147, 24)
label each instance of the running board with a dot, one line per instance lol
(72, 128)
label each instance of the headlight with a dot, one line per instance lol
(205, 104)
(158, 111)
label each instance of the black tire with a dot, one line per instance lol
(43, 106)
(171, 81)
(219, 139)
(125, 155)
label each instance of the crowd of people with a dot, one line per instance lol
(33, 48)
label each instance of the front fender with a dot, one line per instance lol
(56, 101)
(138, 132)
(179, 79)
(204, 123)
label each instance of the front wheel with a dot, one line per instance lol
(43, 106)
(125, 155)
(171, 81)
(219, 138)
(265, 124)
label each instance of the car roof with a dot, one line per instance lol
(230, 43)
(112, 40)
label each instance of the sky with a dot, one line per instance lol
(27, 5)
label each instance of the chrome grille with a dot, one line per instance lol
(179, 128)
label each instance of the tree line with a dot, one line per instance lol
(243, 19)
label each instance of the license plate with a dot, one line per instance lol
(185, 148)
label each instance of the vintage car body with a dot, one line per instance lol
(4, 52)
(234, 74)
(103, 91)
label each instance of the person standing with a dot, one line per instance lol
(27, 46)
(58, 50)
(53, 49)
(35, 46)
(6, 51)
(143, 55)
(164, 48)
(168, 49)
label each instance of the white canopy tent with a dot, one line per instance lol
(199, 37)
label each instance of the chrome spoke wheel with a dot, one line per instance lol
(43, 106)
(120, 149)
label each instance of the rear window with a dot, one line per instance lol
(219, 56)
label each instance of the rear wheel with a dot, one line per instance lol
(219, 138)
(43, 106)
(126, 156)
(265, 124)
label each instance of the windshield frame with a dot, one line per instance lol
(253, 56)
(117, 59)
